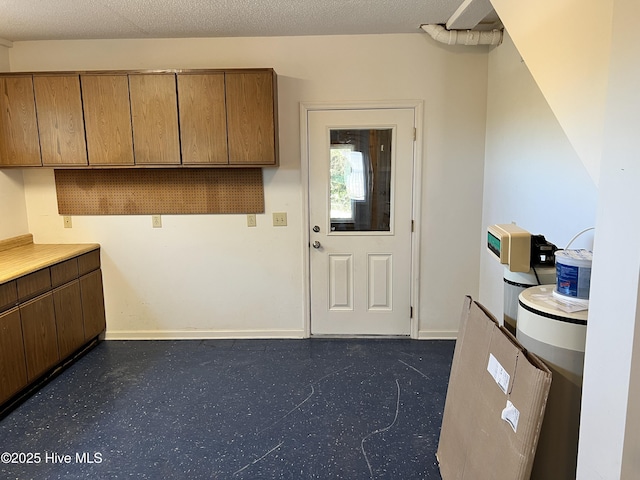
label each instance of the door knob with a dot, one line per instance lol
(316, 244)
(316, 229)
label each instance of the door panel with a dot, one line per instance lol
(341, 282)
(380, 281)
(92, 297)
(40, 335)
(69, 321)
(19, 141)
(60, 120)
(203, 123)
(107, 114)
(13, 367)
(251, 124)
(154, 118)
(360, 209)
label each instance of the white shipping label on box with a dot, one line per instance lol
(511, 415)
(498, 373)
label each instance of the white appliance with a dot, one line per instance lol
(549, 328)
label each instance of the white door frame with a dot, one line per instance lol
(417, 106)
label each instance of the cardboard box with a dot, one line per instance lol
(495, 403)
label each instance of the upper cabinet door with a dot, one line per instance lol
(60, 120)
(154, 115)
(251, 118)
(107, 117)
(19, 144)
(203, 122)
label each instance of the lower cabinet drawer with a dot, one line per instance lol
(64, 272)
(89, 262)
(8, 295)
(33, 284)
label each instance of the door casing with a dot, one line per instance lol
(417, 106)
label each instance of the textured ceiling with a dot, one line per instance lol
(86, 19)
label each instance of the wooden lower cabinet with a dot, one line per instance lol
(69, 319)
(13, 368)
(92, 304)
(39, 335)
(46, 317)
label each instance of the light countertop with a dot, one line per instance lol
(19, 256)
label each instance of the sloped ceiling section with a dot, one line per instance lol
(474, 14)
(567, 48)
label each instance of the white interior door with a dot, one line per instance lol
(360, 211)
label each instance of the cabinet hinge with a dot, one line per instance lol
(412, 226)
(410, 312)
(415, 134)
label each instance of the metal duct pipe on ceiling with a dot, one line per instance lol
(463, 37)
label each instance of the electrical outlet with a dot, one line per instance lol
(156, 221)
(67, 221)
(280, 219)
(251, 220)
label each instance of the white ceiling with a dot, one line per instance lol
(22, 20)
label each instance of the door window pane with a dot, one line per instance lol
(360, 191)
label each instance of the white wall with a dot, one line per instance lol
(610, 438)
(13, 210)
(4, 58)
(566, 45)
(211, 275)
(532, 174)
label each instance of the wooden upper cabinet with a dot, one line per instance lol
(154, 116)
(19, 143)
(203, 121)
(60, 120)
(204, 118)
(251, 118)
(107, 117)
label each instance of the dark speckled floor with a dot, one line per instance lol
(236, 409)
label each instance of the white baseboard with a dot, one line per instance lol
(242, 334)
(437, 334)
(200, 334)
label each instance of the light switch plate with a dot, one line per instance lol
(251, 220)
(67, 221)
(156, 221)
